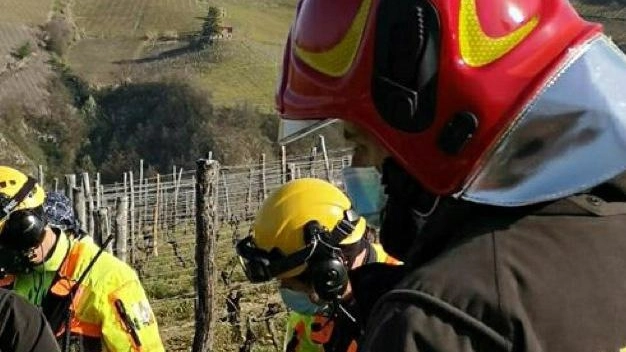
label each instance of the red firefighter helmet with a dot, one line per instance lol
(436, 82)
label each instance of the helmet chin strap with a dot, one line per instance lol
(430, 211)
(403, 187)
(14, 201)
(409, 207)
(336, 308)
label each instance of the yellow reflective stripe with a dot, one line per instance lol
(336, 61)
(479, 49)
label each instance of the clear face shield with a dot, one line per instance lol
(364, 188)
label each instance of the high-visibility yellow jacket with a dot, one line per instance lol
(304, 333)
(110, 310)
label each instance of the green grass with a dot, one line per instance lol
(250, 61)
(32, 12)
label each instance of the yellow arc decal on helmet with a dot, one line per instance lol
(479, 49)
(336, 61)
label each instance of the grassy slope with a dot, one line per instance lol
(17, 19)
(115, 30)
(250, 62)
(28, 77)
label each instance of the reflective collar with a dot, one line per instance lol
(570, 137)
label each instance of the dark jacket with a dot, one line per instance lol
(548, 278)
(23, 328)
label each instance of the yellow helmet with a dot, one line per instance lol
(280, 222)
(13, 186)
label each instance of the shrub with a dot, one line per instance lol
(23, 51)
(59, 35)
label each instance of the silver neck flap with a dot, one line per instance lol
(571, 136)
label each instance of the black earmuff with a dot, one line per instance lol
(24, 229)
(328, 271)
(330, 277)
(406, 62)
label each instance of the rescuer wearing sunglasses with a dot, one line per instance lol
(308, 237)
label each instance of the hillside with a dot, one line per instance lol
(19, 77)
(139, 39)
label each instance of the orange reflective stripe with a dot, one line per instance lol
(300, 328)
(69, 265)
(82, 328)
(298, 333)
(353, 346)
(61, 287)
(87, 329)
(322, 329)
(393, 261)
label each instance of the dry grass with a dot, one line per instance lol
(96, 60)
(170, 288)
(116, 31)
(31, 12)
(28, 76)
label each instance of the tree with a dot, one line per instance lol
(211, 26)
